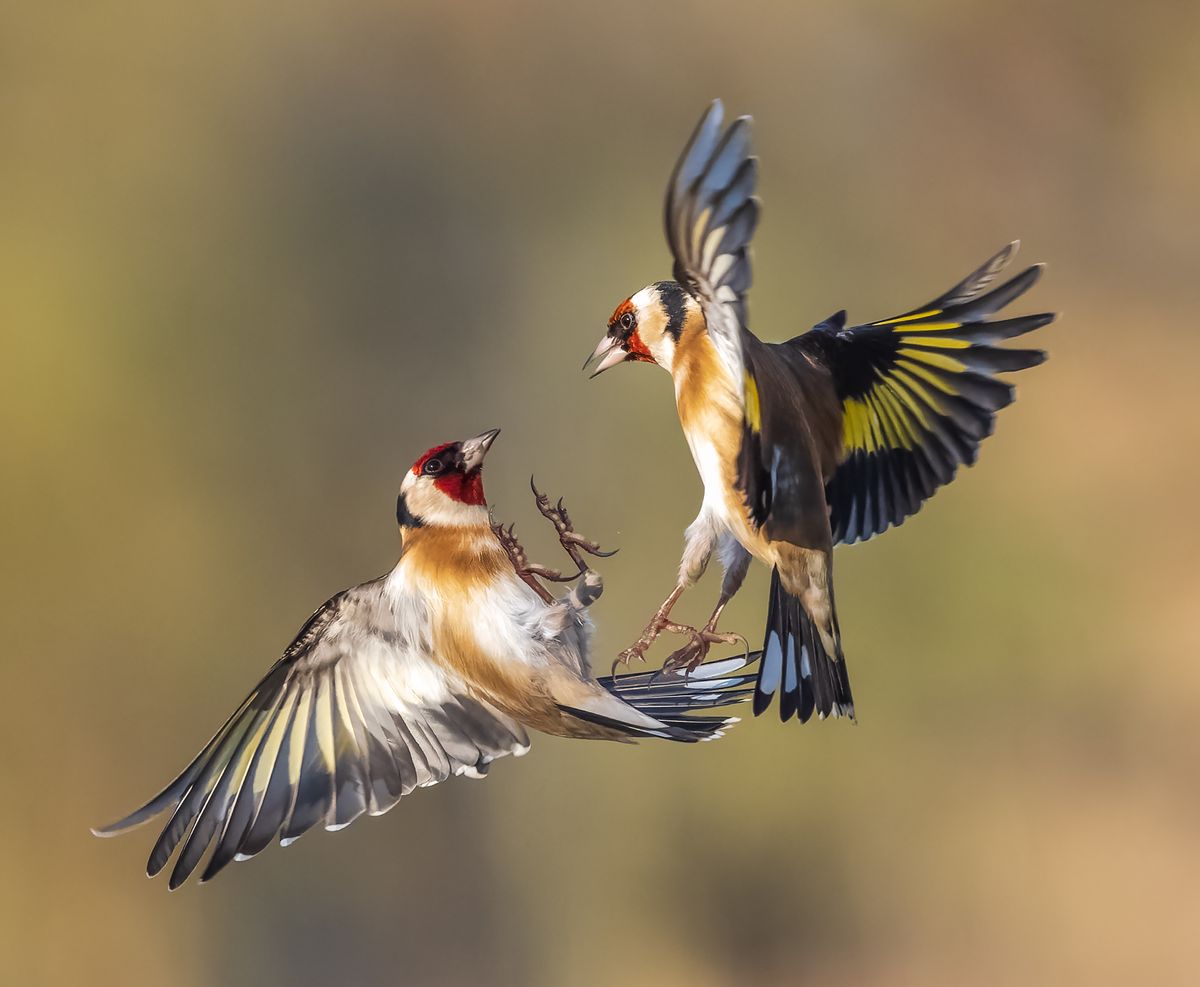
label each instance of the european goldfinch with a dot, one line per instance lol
(831, 437)
(434, 669)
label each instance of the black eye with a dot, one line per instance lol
(627, 320)
(432, 467)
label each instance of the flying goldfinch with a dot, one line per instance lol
(831, 437)
(434, 669)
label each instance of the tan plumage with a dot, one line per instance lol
(433, 670)
(830, 437)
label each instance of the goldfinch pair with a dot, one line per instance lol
(442, 665)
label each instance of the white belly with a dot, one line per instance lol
(723, 503)
(712, 474)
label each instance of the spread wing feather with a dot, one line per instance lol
(350, 719)
(918, 393)
(710, 217)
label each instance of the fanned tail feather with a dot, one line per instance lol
(795, 664)
(672, 698)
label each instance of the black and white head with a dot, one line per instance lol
(646, 327)
(445, 485)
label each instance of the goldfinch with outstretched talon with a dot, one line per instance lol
(435, 669)
(831, 437)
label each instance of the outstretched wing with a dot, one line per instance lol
(710, 216)
(351, 718)
(918, 393)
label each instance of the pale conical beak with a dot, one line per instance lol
(608, 353)
(473, 450)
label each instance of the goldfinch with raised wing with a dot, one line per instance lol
(831, 437)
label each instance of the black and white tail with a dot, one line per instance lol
(673, 698)
(796, 665)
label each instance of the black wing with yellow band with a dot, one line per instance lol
(918, 394)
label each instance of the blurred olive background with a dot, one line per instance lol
(257, 257)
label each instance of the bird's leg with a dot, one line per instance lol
(526, 570)
(737, 562)
(573, 543)
(700, 540)
(696, 650)
(658, 623)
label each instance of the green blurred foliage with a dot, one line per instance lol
(257, 257)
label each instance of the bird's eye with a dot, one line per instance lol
(627, 320)
(433, 467)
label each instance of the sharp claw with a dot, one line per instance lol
(623, 660)
(638, 651)
(553, 575)
(587, 545)
(688, 657)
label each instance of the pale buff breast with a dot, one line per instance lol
(487, 627)
(475, 604)
(710, 411)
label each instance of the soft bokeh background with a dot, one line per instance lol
(257, 257)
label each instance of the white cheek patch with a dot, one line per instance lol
(457, 514)
(664, 352)
(652, 326)
(432, 506)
